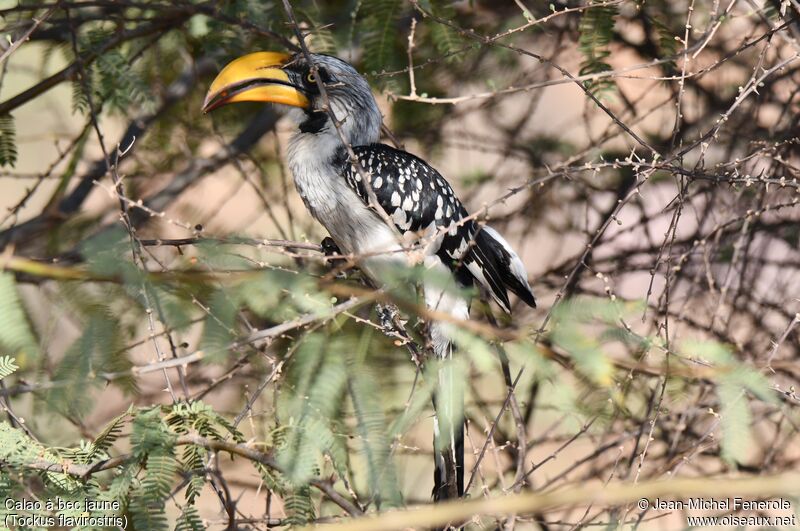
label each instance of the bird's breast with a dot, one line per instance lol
(355, 228)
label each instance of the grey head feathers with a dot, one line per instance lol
(350, 98)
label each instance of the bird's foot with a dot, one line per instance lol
(333, 254)
(393, 325)
(387, 314)
(329, 247)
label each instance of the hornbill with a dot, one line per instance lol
(415, 198)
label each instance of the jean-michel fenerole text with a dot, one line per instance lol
(722, 504)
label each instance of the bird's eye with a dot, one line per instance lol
(311, 78)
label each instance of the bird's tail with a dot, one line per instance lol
(448, 441)
(448, 398)
(496, 266)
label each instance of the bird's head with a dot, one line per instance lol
(290, 80)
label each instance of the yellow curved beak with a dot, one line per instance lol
(254, 77)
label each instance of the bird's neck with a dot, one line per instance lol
(317, 145)
(357, 125)
(313, 153)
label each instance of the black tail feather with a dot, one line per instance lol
(497, 263)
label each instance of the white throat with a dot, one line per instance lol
(314, 157)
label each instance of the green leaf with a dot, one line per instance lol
(8, 141)
(735, 419)
(119, 85)
(445, 38)
(121, 485)
(564, 398)
(710, 351)
(478, 350)
(98, 350)
(420, 401)
(319, 376)
(150, 433)
(584, 348)
(734, 379)
(17, 450)
(299, 507)
(219, 331)
(104, 440)
(372, 427)
(379, 34)
(319, 38)
(7, 366)
(193, 462)
(527, 354)
(189, 520)
(667, 45)
(147, 517)
(159, 475)
(15, 332)
(755, 382)
(596, 31)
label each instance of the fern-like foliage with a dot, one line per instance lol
(596, 32)
(119, 489)
(140, 485)
(584, 327)
(98, 448)
(98, 350)
(153, 445)
(372, 429)
(18, 452)
(193, 463)
(120, 86)
(15, 332)
(80, 96)
(735, 381)
(197, 417)
(8, 489)
(146, 516)
(319, 377)
(215, 34)
(667, 45)
(445, 38)
(571, 321)
(380, 39)
(320, 38)
(112, 81)
(7, 366)
(8, 141)
(150, 434)
(159, 475)
(297, 500)
(219, 329)
(273, 294)
(189, 520)
(299, 506)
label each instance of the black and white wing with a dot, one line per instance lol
(419, 199)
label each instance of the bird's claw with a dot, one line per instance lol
(386, 314)
(329, 247)
(333, 254)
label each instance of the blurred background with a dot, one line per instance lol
(640, 156)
